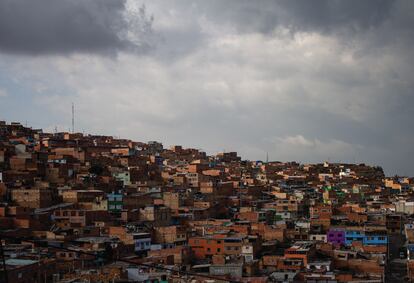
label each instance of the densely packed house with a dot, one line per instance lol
(87, 208)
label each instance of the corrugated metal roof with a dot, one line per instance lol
(19, 262)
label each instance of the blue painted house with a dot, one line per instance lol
(115, 202)
(353, 235)
(375, 238)
(142, 242)
(366, 237)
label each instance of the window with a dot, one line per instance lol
(218, 250)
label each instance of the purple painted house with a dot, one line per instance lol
(336, 236)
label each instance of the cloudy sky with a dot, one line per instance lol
(302, 80)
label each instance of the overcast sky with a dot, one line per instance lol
(302, 80)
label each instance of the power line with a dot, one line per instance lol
(159, 267)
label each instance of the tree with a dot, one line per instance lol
(96, 169)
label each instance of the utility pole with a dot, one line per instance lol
(6, 278)
(241, 185)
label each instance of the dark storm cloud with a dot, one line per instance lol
(316, 15)
(62, 26)
(50, 26)
(346, 20)
(301, 79)
(328, 15)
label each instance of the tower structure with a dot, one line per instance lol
(73, 118)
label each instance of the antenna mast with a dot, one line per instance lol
(73, 118)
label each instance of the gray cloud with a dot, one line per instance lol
(317, 15)
(65, 26)
(369, 23)
(304, 80)
(328, 15)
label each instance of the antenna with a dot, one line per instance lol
(73, 118)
